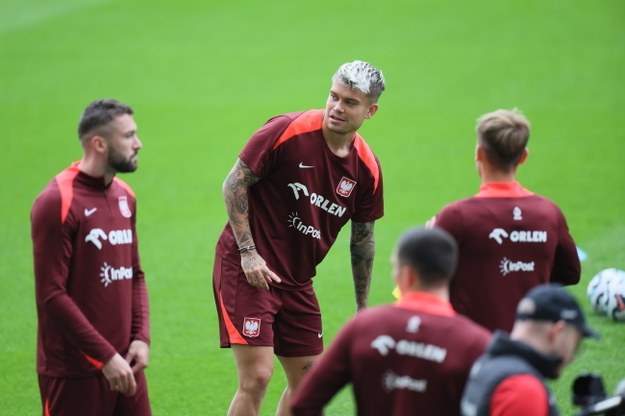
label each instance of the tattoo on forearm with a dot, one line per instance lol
(362, 247)
(307, 366)
(235, 191)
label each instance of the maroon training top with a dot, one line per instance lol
(409, 358)
(90, 289)
(305, 196)
(510, 240)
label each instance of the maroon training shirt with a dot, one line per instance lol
(409, 358)
(510, 240)
(305, 196)
(90, 289)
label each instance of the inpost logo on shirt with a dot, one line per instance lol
(110, 274)
(296, 222)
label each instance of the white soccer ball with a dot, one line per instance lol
(615, 301)
(597, 290)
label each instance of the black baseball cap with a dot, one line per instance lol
(550, 302)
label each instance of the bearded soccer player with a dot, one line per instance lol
(409, 358)
(300, 178)
(510, 238)
(92, 303)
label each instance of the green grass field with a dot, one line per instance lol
(202, 76)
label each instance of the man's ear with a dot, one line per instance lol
(372, 110)
(479, 153)
(526, 152)
(99, 144)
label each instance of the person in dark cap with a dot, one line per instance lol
(509, 379)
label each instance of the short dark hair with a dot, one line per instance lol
(100, 113)
(432, 252)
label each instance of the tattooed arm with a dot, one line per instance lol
(235, 192)
(362, 248)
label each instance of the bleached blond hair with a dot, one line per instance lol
(361, 76)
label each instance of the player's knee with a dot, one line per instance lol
(256, 381)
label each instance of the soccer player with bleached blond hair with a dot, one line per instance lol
(299, 179)
(510, 238)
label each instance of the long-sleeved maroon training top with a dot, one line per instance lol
(90, 290)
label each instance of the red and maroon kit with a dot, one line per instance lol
(402, 359)
(510, 240)
(305, 195)
(90, 290)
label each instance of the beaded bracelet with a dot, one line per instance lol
(248, 248)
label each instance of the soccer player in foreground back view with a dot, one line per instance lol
(297, 181)
(92, 301)
(409, 358)
(510, 239)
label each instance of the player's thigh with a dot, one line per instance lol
(296, 367)
(139, 403)
(254, 363)
(246, 313)
(77, 396)
(298, 327)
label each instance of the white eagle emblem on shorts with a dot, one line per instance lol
(345, 187)
(251, 327)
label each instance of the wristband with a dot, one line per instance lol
(247, 248)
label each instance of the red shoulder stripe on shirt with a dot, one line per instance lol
(125, 186)
(65, 182)
(366, 154)
(233, 334)
(306, 122)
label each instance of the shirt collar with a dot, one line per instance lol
(502, 190)
(425, 302)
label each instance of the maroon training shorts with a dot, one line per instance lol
(288, 320)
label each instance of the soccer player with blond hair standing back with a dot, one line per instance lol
(510, 238)
(92, 302)
(300, 178)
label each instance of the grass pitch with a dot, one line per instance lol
(202, 76)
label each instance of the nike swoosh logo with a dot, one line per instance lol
(302, 166)
(89, 212)
(320, 334)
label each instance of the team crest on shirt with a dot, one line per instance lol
(123, 206)
(345, 187)
(517, 214)
(251, 327)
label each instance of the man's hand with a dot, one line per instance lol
(120, 376)
(256, 270)
(138, 354)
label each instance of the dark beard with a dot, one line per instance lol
(121, 165)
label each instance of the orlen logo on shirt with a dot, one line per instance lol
(518, 236)
(115, 237)
(384, 344)
(110, 274)
(507, 266)
(317, 200)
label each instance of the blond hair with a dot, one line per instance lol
(503, 134)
